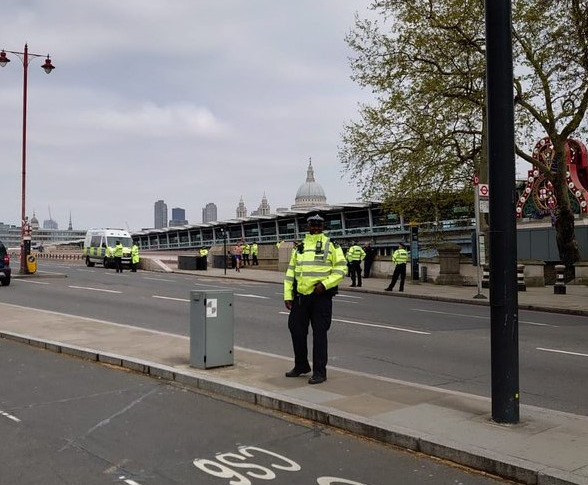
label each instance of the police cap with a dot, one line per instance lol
(315, 220)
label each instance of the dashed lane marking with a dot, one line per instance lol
(34, 282)
(170, 298)
(93, 289)
(375, 325)
(9, 416)
(566, 352)
(482, 317)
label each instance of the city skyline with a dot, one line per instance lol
(225, 107)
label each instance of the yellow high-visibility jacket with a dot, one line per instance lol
(355, 253)
(316, 259)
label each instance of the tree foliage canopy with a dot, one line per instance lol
(424, 61)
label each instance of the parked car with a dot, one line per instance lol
(5, 271)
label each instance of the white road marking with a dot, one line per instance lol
(253, 296)
(363, 324)
(567, 352)
(9, 416)
(93, 289)
(34, 282)
(349, 296)
(537, 324)
(169, 298)
(158, 279)
(387, 327)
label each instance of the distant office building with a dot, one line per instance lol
(241, 209)
(263, 209)
(209, 213)
(178, 217)
(160, 215)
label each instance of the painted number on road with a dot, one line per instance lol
(225, 464)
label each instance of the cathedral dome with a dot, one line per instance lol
(310, 193)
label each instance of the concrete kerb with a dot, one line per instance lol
(480, 459)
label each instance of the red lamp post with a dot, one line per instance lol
(47, 67)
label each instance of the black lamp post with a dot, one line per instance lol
(25, 57)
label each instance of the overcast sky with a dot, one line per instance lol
(189, 101)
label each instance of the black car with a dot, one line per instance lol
(5, 271)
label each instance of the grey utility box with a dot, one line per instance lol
(211, 328)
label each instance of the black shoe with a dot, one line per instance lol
(352, 286)
(317, 379)
(359, 286)
(388, 289)
(297, 372)
(401, 291)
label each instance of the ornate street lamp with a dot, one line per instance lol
(25, 56)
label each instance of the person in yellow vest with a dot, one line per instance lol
(316, 268)
(254, 253)
(355, 255)
(118, 254)
(400, 258)
(204, 255)
(279, 243)
(246, 252)
(134, 256)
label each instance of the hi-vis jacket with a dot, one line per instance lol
(118, 251)
(317, 259)
(355, 253)
(135, 254)
(400, 256)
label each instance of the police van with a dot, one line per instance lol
(99, 246)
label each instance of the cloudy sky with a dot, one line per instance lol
(189, 101)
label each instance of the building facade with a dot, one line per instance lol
(178, 217)
(160, 215)
(209, 213)
(241, 209)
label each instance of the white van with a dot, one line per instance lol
(99, 246)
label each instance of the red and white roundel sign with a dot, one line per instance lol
(483, 190)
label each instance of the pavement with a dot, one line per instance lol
(545, 448)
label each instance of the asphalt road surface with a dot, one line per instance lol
(441, 344)
(68, 421)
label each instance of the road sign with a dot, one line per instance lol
(483, 190)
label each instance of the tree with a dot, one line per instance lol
(424, 61)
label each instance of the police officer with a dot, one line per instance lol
(204, 255)
(370, 255)
(134, 256)
(246, 251)
(315, 269)
(355, 255)
(400, 258)
(254, 253)
(118, 254)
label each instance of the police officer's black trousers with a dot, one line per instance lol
(399, 271)
(317, 311)
(355, 272)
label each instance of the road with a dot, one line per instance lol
(446, 345)
(68, 421)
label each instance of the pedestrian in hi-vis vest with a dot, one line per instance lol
(134, 256)
(118, 254)
(400, 258)
(355, 255)
(317, 265)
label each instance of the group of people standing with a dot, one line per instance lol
(117, 255)
(241, 254)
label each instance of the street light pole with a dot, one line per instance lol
(47, 67)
